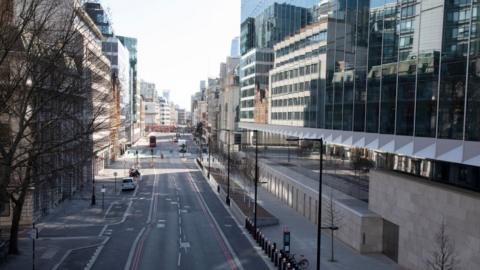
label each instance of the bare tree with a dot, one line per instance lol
(443, 256)
(332, 221)
(48, 111)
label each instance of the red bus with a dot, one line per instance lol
(153, 141)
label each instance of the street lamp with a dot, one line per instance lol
(227, 200)
(319, 226)
(93, 179)
(209, 158)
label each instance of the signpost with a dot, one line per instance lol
(103, 196)
(115, 175)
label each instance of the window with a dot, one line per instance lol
(5, 209)
(408, 11)
(406, 41)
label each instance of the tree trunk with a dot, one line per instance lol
(332, 255)
(17, 214)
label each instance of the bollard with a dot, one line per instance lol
(288, 266)
(270, 251)
(275, 258)
(284, 263)
(272, 258)
(267, 248)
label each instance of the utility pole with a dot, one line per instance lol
(93, 180)
(209, 158)
(256, 180)
(228, 169)
(319, 225)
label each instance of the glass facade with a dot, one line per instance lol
(394, 67)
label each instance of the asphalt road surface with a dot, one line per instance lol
(173, 220)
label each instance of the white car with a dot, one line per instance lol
(128, 183)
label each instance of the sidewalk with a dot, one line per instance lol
(74, 227)
(304, 235)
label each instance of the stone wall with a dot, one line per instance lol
(418, 207)
(359, 227)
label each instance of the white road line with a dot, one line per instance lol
(108, 210)
(179, 258)
(224, 238)
(132, 250)
(95, 255)
(103, 230)
(212, 185)
(150, 212)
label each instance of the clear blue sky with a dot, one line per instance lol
(180, 42)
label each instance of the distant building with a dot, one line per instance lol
(131, 45)
(235, 47)
(166, 94)
(148, 91)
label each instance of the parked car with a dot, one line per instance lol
(128, 183)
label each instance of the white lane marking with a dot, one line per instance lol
(224, 238)
(179, 258)
(132, 249)
(161, 225)
(92, 260)
(108, 210)
(150, 212)
(179, 228)
(239, 225)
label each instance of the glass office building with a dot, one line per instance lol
(399, 77)
(258, 36)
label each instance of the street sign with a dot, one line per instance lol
(103, 190)
(286, 241)
(115, 174)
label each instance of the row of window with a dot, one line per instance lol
(291, 101)
(296, 87)
(294, 73)
(288, 116)
(309, 40)
(303, 57)
(246, 114)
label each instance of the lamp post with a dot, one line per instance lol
(209, 151)
(227, 200)
(319, 223)
(256, 180)
(93, 180)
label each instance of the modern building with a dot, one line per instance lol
(299, 69)
(254, 70)
(166, 94)
(165, 111)
(181, 117)
(399, 80)
(148, 91)
(258, 36)
(119, 57)
(131, 45)
(152, 115)
(235, 47)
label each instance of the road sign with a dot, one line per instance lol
(103, 190)
(115, 174)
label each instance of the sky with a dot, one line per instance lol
(179, 42)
